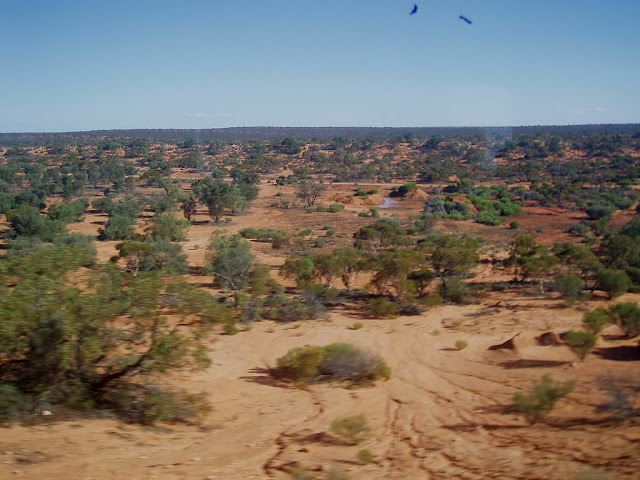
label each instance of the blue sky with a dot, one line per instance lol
(86, 65)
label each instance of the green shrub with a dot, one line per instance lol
(381, 308)
(353, 429)
(334, 362)
(336, 207)
(596, 320)
(570, 286)
(461, 344)
(580, 342)
(365, 456)
(539, 402)
(627, 316)
(454, 290)
(614, 282)
(12, 403)
(515, 225)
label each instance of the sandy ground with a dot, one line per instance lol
(444, 414)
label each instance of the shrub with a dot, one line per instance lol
(579, 229)
(454, 290)
(539, 402)
(365, 456)
(570, 286)
(596, 320)
(118, 227)
(627, 316)
(336, 207)
(515, 225)
(12, 403)
(614, 282)
(381, 308)
(334, 362)
(461, 344)
(354, 429)
(580, 342)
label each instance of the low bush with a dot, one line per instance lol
(353, 429)
(539, 402)
(461, 344)
(580, 342)
(365, 456)
(381, 308)
(337, 362)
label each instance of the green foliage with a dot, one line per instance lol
(152, 254)
(392, 270)
(354, 429)
(529, 258)
(406, 188)
(461, 344)
(118, 227)
(384, 234)
(538, 403)
(336, 207)
(168, 226)
(454, 290)
(596, 320)
(162, 204)
(488, 218)
(298, 268)
(627, 316)
(365, 456)
(231, 263)
(580, 342)
(13, 403)
(27, 221)
(219, 197)
(613, 282)
(89, 346)
(337, 362)
(380, 307)
(68, 212)
(310, 191)
(570, 286)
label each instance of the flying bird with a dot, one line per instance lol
(465, 19)
(415, 9)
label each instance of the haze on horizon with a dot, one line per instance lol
(74, 65)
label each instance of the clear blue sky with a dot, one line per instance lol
(90, 64)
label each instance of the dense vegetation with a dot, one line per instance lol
(91, 335)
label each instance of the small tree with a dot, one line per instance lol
(580, 342)
(453, 256)
(596, 320)
(231, 262)
(168, 226)
(310, 192)
(539, 402)
(613, 282)
(530, 259)
(627, 316)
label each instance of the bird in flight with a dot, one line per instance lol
(465, 19)
(415, 9)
